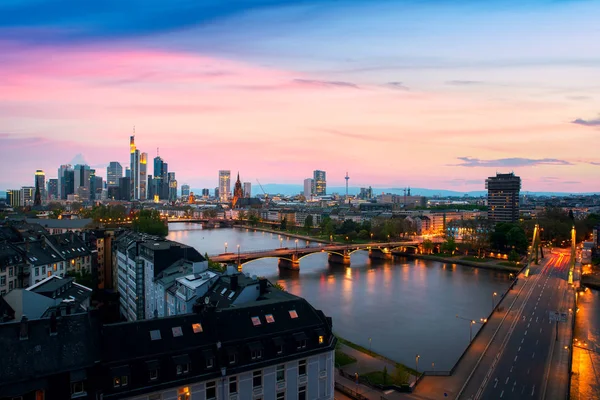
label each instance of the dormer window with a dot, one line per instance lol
(255, 321)
(300, 338)
(182, 364)
(269, 318)
(293, 314)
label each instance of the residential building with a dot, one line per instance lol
(27, 195)
(320, 183)
(224, 185)
(12, 267)
(503, 197)
(273, 345)
(114, 171)
(247, 189)
(14, 198)
(309, 185)
(138, 261)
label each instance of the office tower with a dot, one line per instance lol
(217, 193)
(125, 189)
(96, 186)
(320, 180)
(309, 185)
(61, 174)
(68, 184)
(114, 171)
(52, 189)
(127, 172)
(40, 182)
(185, 191)
(206, 193)
(27, 195)
(161, 178)
(81, 183)
(172, 186)
(143, 176)
(503, 197)
(14, 198)
(365, 193)
(247, 189)
(135, 169)
(224, 185)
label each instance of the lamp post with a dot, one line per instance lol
(433, 366)
(471, 323)
(296, 245)
(471, 331)
(225, 247)
(371, 236)
(369, 344)
(494, 300)
(417, 365)
(280, 242)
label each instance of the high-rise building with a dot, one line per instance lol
(68, 184)
(503, 197)
(172, 187)
(185, 191)
(114, 171)
(144, 176)
(309, 185)
(124, 189)
(127, 172)
(52, 189)
(217, 193)
(206, 193)
(40, 182)
(61, 174)
(27, 195)
(247, 189)
(161, 178)
(14, 198)
(81, 183)
(224, 185)
(320, 181)
(135, 169)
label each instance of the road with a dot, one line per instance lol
(521, 370)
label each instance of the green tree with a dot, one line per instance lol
(427, 246)
(83, 278)
(449, 246)
(327, 226)
(150, 222)
(209, 213)
(283, 225)
(513, 256)
(241, 215)
(308, 223)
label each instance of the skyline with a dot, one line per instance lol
(399, 94)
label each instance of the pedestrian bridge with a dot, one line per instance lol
(337, 253)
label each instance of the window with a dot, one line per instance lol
(124, 380)
(231, 358)
(54, 266)
(37, 271)
(269, 318)
(197, 328)
(3, 280)
(183, 368)
(211, 390)
(301, 344)
(256, 354)
(223, 291)
(77, 389)
(279, 349)
(255, 321)
(232, 384)
(293, 314)
(10, 285)
(44, 270)
(256, 379)
(117, 381)
(281, 395)
(40, 395)
(10, 271)
(184, 393)
(302, 392)
(302, 367)
(321, 339)
(155, 335)
(209, 362)
(281, 373)
(153, 374)
(177, 331)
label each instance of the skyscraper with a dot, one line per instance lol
(61, 174)
(320, 182)
(224, 185)
(161, 178)
(135, 169)
(40, 185)
(247, 190)
(309, 185)
(68, 184)
(503, 197)
(185, 191)
(144, 176)
(53, 189)
(172, 187)
(81, 183)
(114, 171)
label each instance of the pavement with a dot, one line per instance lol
(518, 363)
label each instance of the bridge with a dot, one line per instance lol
(206, 222)
(337, 253)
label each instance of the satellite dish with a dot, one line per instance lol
(206, 300)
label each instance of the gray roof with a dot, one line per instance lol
(28, 303)
(38, 253)
(61, 223)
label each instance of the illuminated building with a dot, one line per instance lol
(238, 192)
(143, 176)
(40, 185)
(320, 183)
(503, 197)
(134, 169)
(224, 185)
(114, 171)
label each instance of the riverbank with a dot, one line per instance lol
(285, 233)
(493, 265)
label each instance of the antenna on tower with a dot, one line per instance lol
(157, 153)
(134, 130)
(347, 178)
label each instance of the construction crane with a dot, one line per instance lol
(265, 193)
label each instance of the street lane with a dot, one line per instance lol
(521, 370)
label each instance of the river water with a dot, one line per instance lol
(399, 308)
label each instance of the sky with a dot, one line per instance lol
(423, 93)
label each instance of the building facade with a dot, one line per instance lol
(503, 197)
(40, 184)
(320, 183)
(114, 171)
(224, 185)
(53, 189)
(309, 185)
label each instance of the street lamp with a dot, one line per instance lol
(433, 366)
(371, 236)
(417, 362)
(369, 344)
(296, 245)
(471, 330)
(280, 242)
(494, 300)
(225, 247)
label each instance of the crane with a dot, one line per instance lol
(265, 193)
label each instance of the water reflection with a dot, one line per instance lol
(406, 306)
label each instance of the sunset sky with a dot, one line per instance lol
(436, 94)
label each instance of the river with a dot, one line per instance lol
(399, 308)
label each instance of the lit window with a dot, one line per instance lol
(155, 335)
(177, 331)
(197, 328)
(184, 393)
(269, 318)
(255, 321)
(117, 381)
(293, 314)
(321, 339)
(211, 390)
(40, 395)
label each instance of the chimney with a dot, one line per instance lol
(53, 327)
(233, 282)
(262, 284)
(24, 328)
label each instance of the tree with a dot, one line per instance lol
(149, 221)
(283, 226)
(241, 215)
(513, 256)
(83, 278)
(449, 246)
(427, 246)
(308, 223)
(209, 213)
(327, 227)
(253, 218)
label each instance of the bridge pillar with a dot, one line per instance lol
(378, 254)
(293, 263)
(339, 259)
